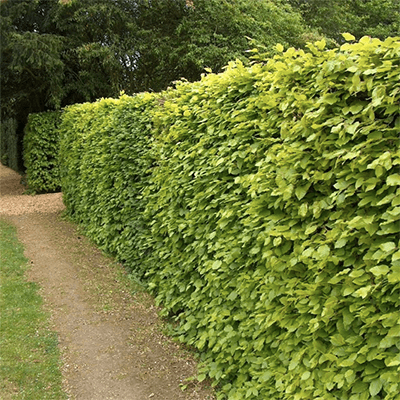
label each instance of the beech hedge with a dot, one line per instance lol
(268, 206)
(41, 151)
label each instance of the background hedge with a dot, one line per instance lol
(269, 225)
(41, 151)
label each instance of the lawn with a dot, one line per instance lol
(29, 355)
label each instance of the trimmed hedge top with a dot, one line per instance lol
(269, 217)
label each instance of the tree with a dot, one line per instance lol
(56, 53)
(180, 38)
(376, 18)
(31, 70)
(100, 52)
(59, 52)
(31, 67)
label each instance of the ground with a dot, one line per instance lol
(110, 336)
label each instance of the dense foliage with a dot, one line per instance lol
(55, 53)
(376, 18)
(41, 150)
(276, 214)
(179, 39)
(269, 223)
(105, 163)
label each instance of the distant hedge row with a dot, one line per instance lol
(262, 206)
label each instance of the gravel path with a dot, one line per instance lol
(110, 337)
(13, 203)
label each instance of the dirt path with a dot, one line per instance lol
(110, 337)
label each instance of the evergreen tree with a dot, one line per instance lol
(32, 70)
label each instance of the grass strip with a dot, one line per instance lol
(29, 355)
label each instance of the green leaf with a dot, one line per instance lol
(394, 277)
(301, 191)
(396, 256)
(380, 270)
(394, 331)
(266, 376)
(337, 340)
(323, 251)
(311, 229)
(393, 362)
(348, 290)
(320, 44)
(330, 98)
(232, 296)
(363, 292)
(355, 109)
(388, 342)
(216, 264)
(375, 387)
(393, 180)
(303, 210)
(348, 37)
(378, 94)
(388, 247)
(379, 171)
(359, 387)
(305, 375)
(340, 243)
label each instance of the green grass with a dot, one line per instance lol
(29, 355)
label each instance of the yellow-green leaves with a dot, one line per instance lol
(393, 180)
(262, 205)
(380, 270)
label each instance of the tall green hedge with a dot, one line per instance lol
(269, 216)
(276, 213)
(41, 151)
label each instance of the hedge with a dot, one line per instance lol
(105, 161)
(269, 207)
(276, 214)
(41, 150)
